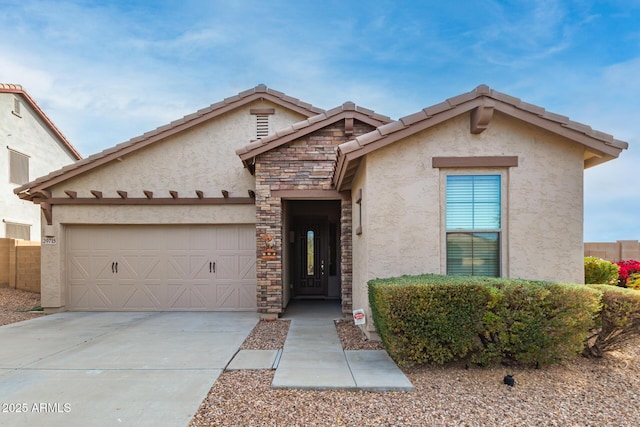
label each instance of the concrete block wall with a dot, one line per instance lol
(620, 250)
(20, 264)
(28, 268)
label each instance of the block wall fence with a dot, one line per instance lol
(620, 250)
(20, 264)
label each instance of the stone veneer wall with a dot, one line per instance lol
(304, 164)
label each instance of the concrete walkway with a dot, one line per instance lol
(313, 358)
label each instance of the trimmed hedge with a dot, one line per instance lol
(619, 320)
(437, 319)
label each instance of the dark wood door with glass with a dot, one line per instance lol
(311, 258)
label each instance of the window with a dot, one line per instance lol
(311, 246)
(473, 221)
(18, 167)
(14, 230)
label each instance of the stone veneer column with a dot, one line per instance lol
(268, 271)
(346, 256)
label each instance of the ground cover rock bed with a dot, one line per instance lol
(583, 392)
(15, 304)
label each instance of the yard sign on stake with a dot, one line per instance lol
(358, 317)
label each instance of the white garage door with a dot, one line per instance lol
(161, 267)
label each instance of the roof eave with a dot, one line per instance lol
(177, 126)
(301, 129)
(603, 145)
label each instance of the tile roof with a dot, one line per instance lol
(350, 152)
(297, 130)
(228, 104)
(18, 89)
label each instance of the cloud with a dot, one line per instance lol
(106, 72)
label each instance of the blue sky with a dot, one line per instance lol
(106, 71)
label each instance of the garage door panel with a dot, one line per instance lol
(247, 266)
(101, 265)
(228, 296)
(97, 297)
(189, 297)
(79, 268)
(161, 267)
(140, 297)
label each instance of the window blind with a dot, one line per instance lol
(473, 202)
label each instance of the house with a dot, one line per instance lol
(31, 147)
(194, 216)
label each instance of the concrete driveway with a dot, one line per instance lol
(112, 369)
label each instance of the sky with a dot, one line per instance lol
(107, 71)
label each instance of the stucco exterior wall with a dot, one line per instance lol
(202, 158)
(360, 247)
(403, 203)
(28, 135)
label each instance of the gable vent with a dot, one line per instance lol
(262, 126)
(262, 120)
(16, 107)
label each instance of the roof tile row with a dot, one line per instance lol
(478, 92)
(211, 111)
(296, 127)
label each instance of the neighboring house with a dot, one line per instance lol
(31, 147)
(323, 201)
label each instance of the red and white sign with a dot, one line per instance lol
(358, 317)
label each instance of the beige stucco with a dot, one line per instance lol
(201, 158)
(403, 203)
(27, 134)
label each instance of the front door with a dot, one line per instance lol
(312, 258)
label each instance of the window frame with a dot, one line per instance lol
(501, 256)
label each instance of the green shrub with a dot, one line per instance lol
(633, 282)
(428, 323)
(619, 320)
(600, 271)
(437, 319)
(538, 322)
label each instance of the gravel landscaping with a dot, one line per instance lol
(583, 392)
(15, 304)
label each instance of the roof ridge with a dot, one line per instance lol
(507, 104)
(261, 88)
(215, 108)
(484, 90)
